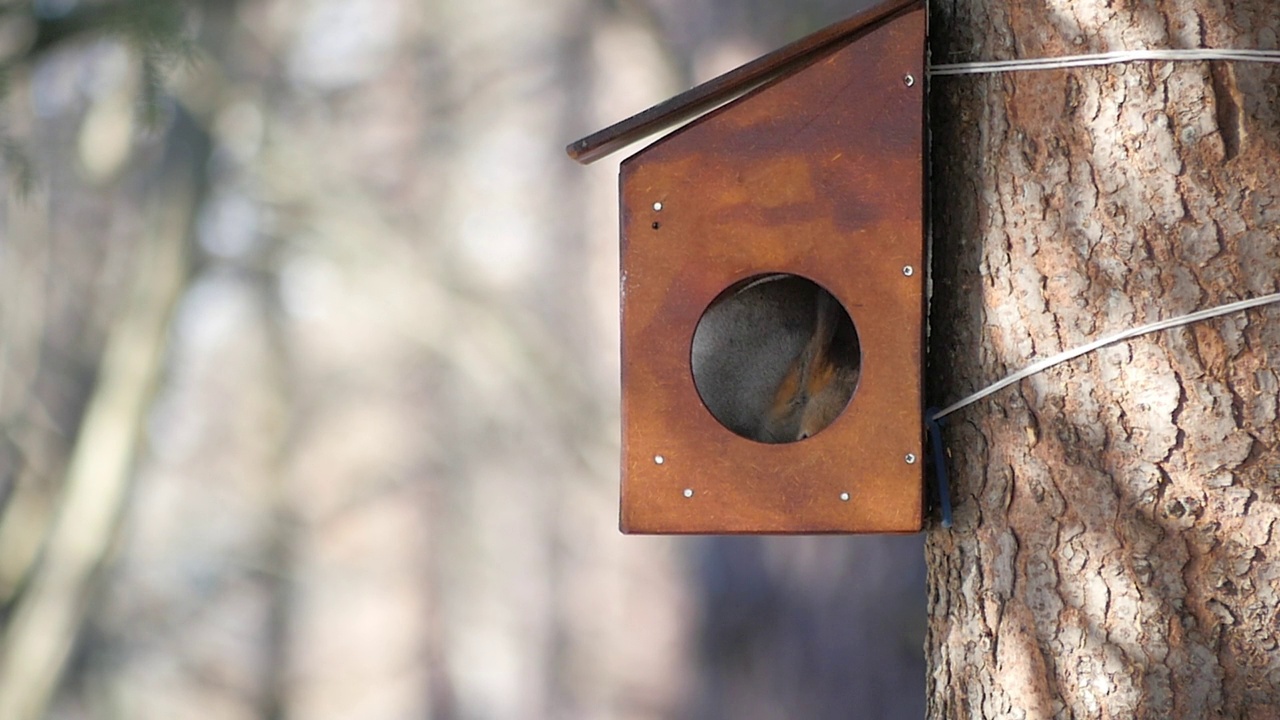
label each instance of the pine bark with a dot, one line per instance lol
(1115, 549)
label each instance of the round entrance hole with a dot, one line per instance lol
(775, 358)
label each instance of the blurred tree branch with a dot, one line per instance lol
(153, 26)
(51, 32)
(154, 29)
(47, 616)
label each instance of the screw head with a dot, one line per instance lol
(657, 206)
(908, 79)
(910, 458)
(908, 270)
(688, 492)
(658, 459)
(844, 497)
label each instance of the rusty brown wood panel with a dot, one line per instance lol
(819, 174)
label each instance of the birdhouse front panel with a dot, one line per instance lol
(809, 188)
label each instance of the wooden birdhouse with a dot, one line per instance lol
(772, 290)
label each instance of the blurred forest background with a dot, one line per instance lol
(308, 379)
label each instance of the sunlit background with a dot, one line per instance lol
(309, 379)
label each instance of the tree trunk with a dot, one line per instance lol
(1114, 552)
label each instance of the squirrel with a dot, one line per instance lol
(775, 360)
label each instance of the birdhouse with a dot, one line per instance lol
(773, 290)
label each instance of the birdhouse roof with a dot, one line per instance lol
(724, 88)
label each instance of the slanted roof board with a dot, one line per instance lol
(726, 87)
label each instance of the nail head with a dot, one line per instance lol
(688, 492)
(658, 459)
(844, 496)
(657, 206)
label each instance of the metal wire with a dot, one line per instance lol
(1049, 362)
(1108, 58)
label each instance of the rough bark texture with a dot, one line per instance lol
(1115, 549)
